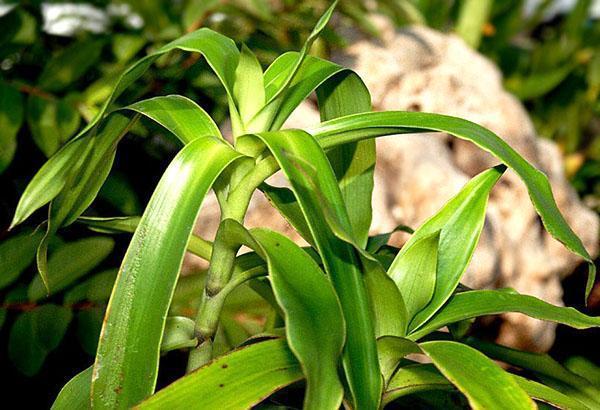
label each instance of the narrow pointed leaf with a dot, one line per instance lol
(219, 51)
(127, 360)
(237, 380)
(472, 304)
(473, 374)
(362, 126)
(248, 89)
(414, 271)
(458, 224)
(50, 179)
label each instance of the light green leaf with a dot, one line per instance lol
(178, 114)
(248, 89)
(471, 304)
(75, 395)
(484, 383)
(16, 254)
(127, 360)
(291, 72)
(291, 148)
(11, 118)
(389, 310)
(70, 262)
(237, 380)
(584, 368)
(459, 224)
(50, 179)
(362, 126)
(415, 378)
(545, 368)
(414, 271)
(304, 293)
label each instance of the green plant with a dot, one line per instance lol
(348, 301)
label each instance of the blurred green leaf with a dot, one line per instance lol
(51, 122)
(36, 333)
(16, 254)
(68, 65)
(95, 289)
(89, 324)
(11, 118)
(70, 262)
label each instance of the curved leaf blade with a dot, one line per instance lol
(471, 304)
(178, 114)
(314, 320)
(128, 352)
(368, 125)
(237, 380)
(75, 395)
(290, 148)
(482, 381)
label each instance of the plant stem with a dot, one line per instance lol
(222, 261)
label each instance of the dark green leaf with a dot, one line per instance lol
(16, 255)
(11, 118)
(70, 262)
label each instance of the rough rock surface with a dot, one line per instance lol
(419, 69)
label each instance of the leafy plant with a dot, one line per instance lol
(346, 302)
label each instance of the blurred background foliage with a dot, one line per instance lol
(58, 62)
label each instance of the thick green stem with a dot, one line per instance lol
(222, 260)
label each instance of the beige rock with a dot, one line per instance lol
(424, 70)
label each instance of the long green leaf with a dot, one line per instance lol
(50, 179)
(219, 51)
(361, 126)
(484, 383)
(425, 377)
(127, 358)
(305, 294)
(178, 114)
(291, 148)
(237, 380)
(466, 305)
